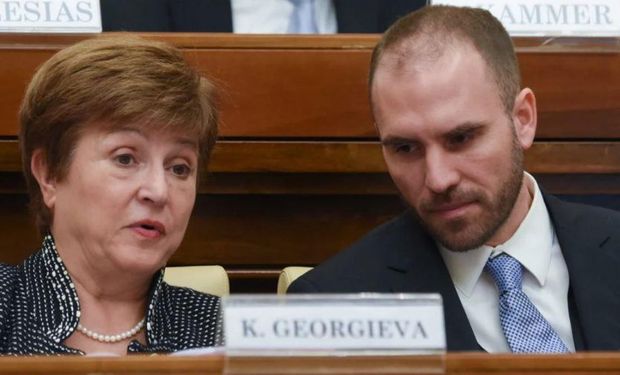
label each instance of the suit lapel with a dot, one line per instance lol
(592, 256)
(415, 266)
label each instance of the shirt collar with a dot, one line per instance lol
(531, 245)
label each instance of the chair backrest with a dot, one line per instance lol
(206, 279)
(288, 275)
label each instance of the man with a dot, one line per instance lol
(251, 16)
(453, 123)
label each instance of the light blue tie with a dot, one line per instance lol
(526, 330)
(302, 19)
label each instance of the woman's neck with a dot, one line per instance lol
(111, 301)
(98, 278)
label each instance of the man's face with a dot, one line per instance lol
(449, 145)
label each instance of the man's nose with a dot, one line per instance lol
(441, 171)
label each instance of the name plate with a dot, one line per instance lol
(50, 16)
(596, 18)
(349, 323)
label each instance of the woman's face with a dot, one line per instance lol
(127, 199)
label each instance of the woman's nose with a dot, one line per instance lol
(154, 186)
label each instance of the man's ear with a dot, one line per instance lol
(524, 117)
(38, 166)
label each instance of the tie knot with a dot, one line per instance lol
(506, 271)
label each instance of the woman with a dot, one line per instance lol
(113, 134)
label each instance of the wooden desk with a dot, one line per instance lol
(454, 363)
(298, 173)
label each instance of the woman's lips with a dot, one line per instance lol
(149, 228)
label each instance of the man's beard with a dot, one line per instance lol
(464, 234)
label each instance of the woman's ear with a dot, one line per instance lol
(524, 117)
(47, 184)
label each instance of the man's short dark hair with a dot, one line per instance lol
(427, 32)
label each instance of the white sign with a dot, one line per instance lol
(50, 16)
(355, 323)
(551, 17)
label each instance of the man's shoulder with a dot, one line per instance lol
(580, 213)
(379, 241)
(358, 267)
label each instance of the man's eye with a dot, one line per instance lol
(181, 170)
(461, 139)
(125, 159)
(403, 148)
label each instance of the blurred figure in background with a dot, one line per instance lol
(255, 16)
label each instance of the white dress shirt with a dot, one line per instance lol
(273, 16)
(545, 277)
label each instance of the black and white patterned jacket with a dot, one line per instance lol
(39, 309)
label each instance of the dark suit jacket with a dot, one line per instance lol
(353, 16)
(399, 256)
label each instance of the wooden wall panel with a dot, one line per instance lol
(16, 70)
(574, 95)
(291, 93)
(315, 86)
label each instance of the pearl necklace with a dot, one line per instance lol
(111, 338)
